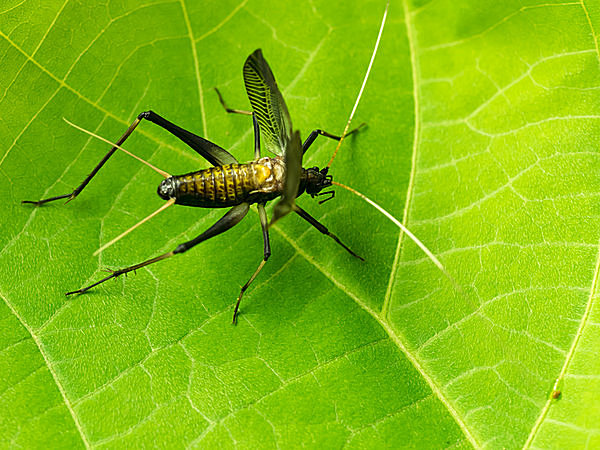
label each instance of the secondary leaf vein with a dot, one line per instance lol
(570, 354)
(396, 338)
(196, 68)
(59, 385)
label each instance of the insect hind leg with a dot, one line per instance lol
(118, 272)
(214, 154)
(230, 219)
(85, 182)
(210, 151)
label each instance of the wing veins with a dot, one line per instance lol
(267, 103)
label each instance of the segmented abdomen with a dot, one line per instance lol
(222, 186)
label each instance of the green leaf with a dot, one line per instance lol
(482, 136)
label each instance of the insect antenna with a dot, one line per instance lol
(156, 169)
(364, 83)
(170, 202)
(162, 172)
(399, 224)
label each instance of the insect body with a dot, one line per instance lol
(221, 186)
(231, 184)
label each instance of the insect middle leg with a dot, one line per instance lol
(231, 110)
(264, 222)
(246, 113)
(232, 218)
(309, 140)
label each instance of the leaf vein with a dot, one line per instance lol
(413, 170)
(59, 385)
(594, 35)
(221, 24)
(396, 338)
(196, 68)
(570, 354)
(289, 381)
(497, 24)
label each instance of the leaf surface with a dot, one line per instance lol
(482, 136)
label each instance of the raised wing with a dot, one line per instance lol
(267, 103)
(293, 170)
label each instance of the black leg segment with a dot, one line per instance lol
(214, 154)
(231, 110)
(85, 182)
(313, 135)
(323, 229)
(264, 223)
(233, 217)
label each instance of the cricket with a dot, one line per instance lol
(234, 185)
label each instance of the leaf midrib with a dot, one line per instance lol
(392, 333)
(413, 163)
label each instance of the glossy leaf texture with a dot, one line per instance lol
(482, 136)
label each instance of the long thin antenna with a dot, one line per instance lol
(170, 202)
(162, 172)
(399, 224)
(362, 88)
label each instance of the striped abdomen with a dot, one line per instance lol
(230, 185)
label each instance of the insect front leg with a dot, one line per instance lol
(264, 222)
(232, 218)
(323, 229)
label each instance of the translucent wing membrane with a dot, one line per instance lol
(293, 170)
(267, 103)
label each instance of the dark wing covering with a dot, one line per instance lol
(293, 169)
(267, 103)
